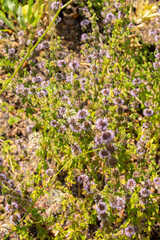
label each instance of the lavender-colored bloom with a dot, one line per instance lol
(131, 183)
(72, 120)
(21, 40)
(156, 181)
(40, 32)
(140, 150)
(42, 93)
(136, 174)
(105, 92)
(110, 16)
(11, 183)
(55, 5)
(148, 112)
(147, 104)
(134, 92)
(61, 63)
(83, 179)
(101, 207)
(119, 16)
(29, 128)
(120, 203)
(147, 124)
(84, 37)
(69, 78)
(103, 216)
(76, 150)
(11, 51)
(136, 81)
(74, 65)
(157, 38)
(131, 25)
(76, 128)
(62, 129)
(118, 101)
(20, 33)
(49, 172)
(151, 32)
(117, 5)
(89, 58)
(1, 161)
(15, 218)
(82, 114)
(104, 153)
(3, 177)
(45, 84)
(145, 192)
(32, 90)
(129, 231)
(98, 140)
(29, 42)
(98, 198)
(107, 136)
(39, 79)
(45, 44)
(1, 23)
(116, 92)
(101, 124)
(25, 91)
(156, 64)
(85, 22)
(157, 55)
(53, 123)
(94, 68)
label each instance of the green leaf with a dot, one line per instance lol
(6, 21)
(20, 17)
(12, 6)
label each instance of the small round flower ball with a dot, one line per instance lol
(29, 128)
(74, 65)
(85, 22)
(105, 92)
(84, 37)
(110, 16)
(49, 172)
(118, 101)
(112, 161)
(55, 5)
(15, 218)
(101, 207)
(136, 81)
(53, 123)
(1, 23)
(120, 203)
(83, 179)
(156, 181)
(98, 198)
(101, 124)
(103, 216)
(2, 177)
(41, 93)
(61, 63)
(11, 51)
(107, 136)
(40, 32)
(148, 112)
(144, 192)
(131, 184)
(104, 153)
(129, 231)
(1, 161)
(82, 114)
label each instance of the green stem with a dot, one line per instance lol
(32, 49)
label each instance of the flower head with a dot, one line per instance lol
(129, 231)
(107, 136)
(148, 112)
(101, 207)
(101, 124)
(145, 192)
(131, 183)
